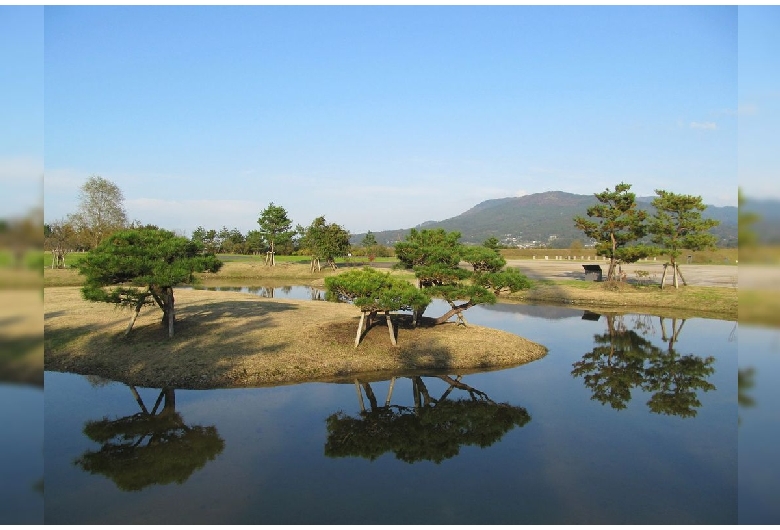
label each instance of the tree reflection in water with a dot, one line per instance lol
(433, 429)
(622, 360)
(149, 447)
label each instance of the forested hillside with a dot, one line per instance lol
(540, 219)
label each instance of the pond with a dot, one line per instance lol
(628, 419)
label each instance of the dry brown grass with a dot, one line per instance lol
(21, 336)
(14, 279)
(715, 302)
(226, 339)
(232, 274)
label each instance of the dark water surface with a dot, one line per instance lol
(759, 425)
(21, 454)
(628, 419)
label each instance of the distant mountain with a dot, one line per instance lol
(768, 211)
(540, 218)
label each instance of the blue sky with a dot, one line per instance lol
(385, 117)
(21, 110)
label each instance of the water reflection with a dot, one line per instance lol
(296, 292)
(576, 463)
(433, 429)
(759, 424)
(623, 359)
(149, 447)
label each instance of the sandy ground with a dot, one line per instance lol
(698, 275)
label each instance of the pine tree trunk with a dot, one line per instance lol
(171, 311)
(370, 395)
(169, 408)
(454, 311)
(611, 271)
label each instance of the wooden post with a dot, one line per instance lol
(390, 327)
(681, 276)
(390, 392)
(360, 328)
(135, 316)
(360, 396)
(171, 317)
(138, 399)
(663, 276)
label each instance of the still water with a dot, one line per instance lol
(759, 425)
(628, 419)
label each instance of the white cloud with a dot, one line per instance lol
(747, 109)
(20, 169)
(69, 180)
(20, 185)
(189, 214)
(705, 125)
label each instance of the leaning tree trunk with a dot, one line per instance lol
(456, 310)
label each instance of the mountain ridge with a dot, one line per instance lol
(539, 218)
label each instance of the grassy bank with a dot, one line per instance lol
(712, 302)
(720, 302)
(230, 339)
(21, 343)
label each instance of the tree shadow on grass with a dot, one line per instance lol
(211, 340)
(425, 348)
(20, 360)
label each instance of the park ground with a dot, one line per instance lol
(235, 339)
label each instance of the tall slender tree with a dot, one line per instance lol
(325, 242)
(275, 227)
(678, 225)
(621, 223)
(101, 210)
